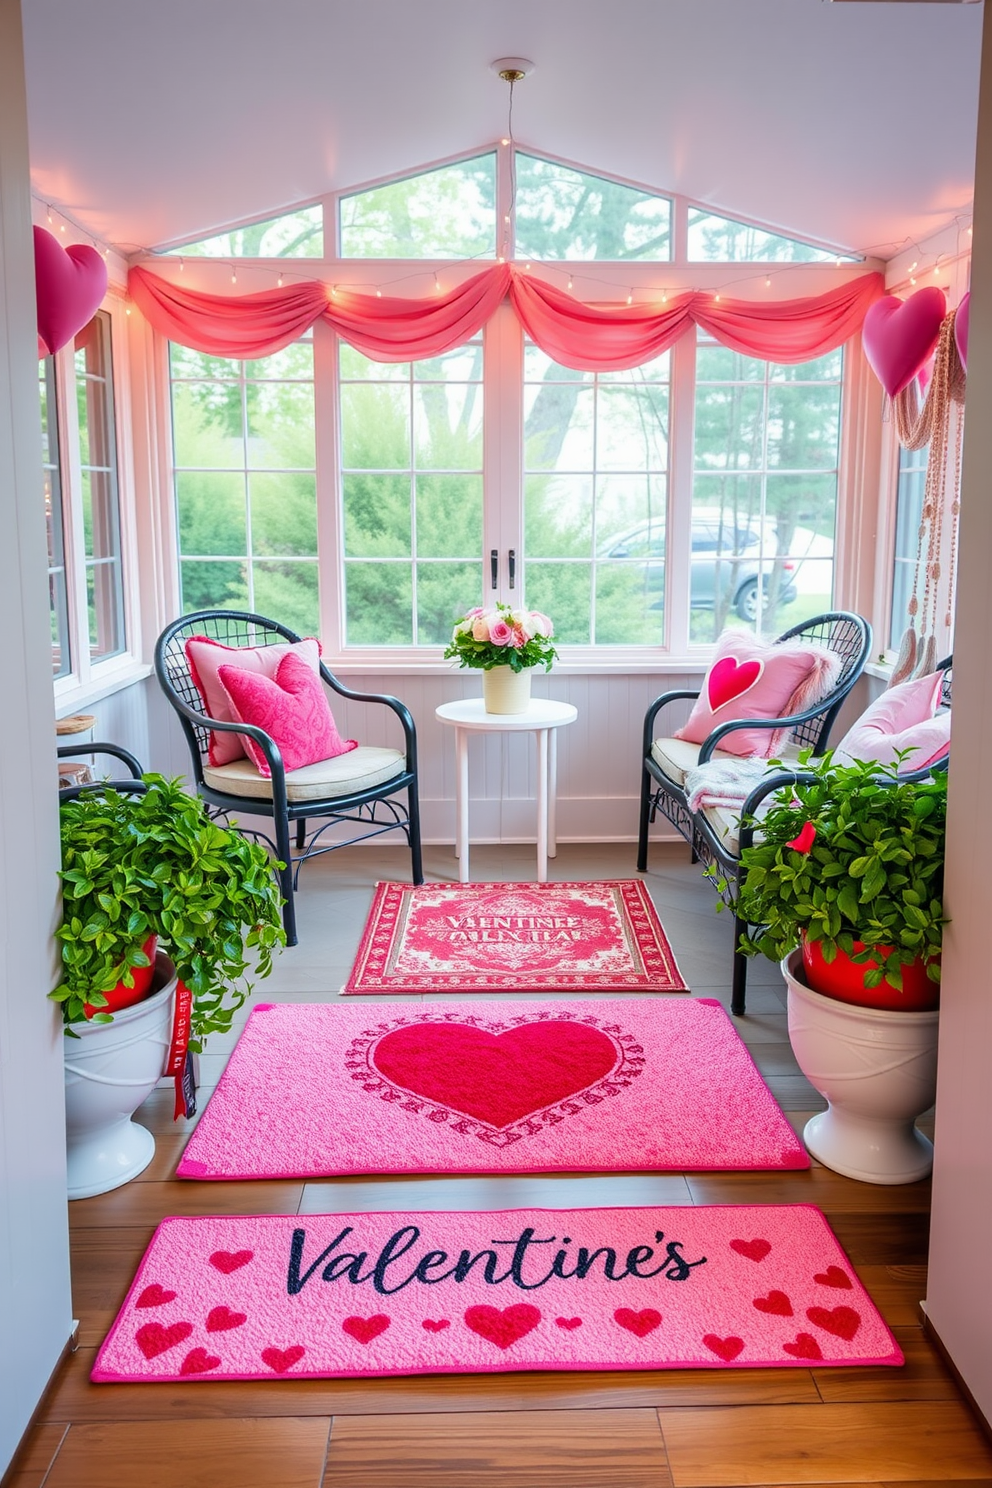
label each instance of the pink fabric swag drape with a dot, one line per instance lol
(586, 337)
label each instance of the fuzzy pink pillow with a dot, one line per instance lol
(904, 717)
(749, 679)
(291, 707)
(206, 657)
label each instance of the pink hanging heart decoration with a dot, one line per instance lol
(961, 328)
(899, 335)
(70, 283)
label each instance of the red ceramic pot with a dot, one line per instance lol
(121, 996)
(844, 980)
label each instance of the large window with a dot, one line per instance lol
(764, 493)
(245, 483)
(909, 515)
(411, 472)
(54, 526)
(98, 489)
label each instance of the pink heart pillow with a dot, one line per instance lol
(293, 710)
(752, 679)
(206, 657)
(904, 717)
(899, 335)
(70, 284)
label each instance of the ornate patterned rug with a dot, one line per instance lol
(590, 1085)
(514, 937)
(315, 1296)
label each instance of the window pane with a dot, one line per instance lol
(764, 492)
(445, 213)
(298, 234)
(909, 515)
(564, 213)
(412, 490)
(98, 469)
(52, 495)
(606, 439)
(714, 239)
(246, 486)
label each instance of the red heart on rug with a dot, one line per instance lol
(776, 1302)
(230, 1260)
(844, 1322)
(198, 1361)
(365, 1329)
(502, 1328)
(755, 1250)
(804, 1346)
(219, 1319)
(640, 1323)
(436, 1325)
(568, 1323)
(155, 1338)
(834, 1277)
(69, 286)
(497, 1078)
(729, 678)
(724, 1348)
(280, 1360)
(154, 1296)
(899, 335)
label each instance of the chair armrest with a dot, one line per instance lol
(655, 708)
(400, 709)
(712, 741)
(70, 751)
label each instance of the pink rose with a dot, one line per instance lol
(540, 624)
(480, 630)
(500, 633)
(471, 614)
(519, 637)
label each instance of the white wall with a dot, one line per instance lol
(959, 1297)
(35, 1313)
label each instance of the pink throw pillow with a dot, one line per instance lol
(749, 679)
(902, 718)
(206, 657)
(293, 710)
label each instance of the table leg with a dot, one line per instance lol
(542, 805)
(553, 793)
(461, 803)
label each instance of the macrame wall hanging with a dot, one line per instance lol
(939, 423)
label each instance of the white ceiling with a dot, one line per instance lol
(155, 122)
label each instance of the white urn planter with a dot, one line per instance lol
(109, 1070)
(505, 691)
(877, 1070)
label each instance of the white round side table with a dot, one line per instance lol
(542, 718)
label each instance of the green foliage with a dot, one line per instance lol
(137, 865)
(873, 874)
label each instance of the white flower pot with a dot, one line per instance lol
(506, 691)
(109, 1070)
(877, 1069)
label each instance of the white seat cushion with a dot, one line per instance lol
(360, 769)
(677, 757)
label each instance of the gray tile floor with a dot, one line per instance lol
(334, 897)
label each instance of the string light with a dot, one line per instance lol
(378, 294)
(768, 282)
(437, 284)
(911, 279)
(61, 227)
(279, 282)
(50, 217)
(630, 297)
(504, 143)
(569, 281)
(913, 265)
(234, 276)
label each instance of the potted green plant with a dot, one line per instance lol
(848, 864)
(138, 866)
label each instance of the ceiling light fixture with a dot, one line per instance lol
(510, 70)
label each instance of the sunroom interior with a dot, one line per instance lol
(316, 181)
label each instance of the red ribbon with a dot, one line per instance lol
(176, 1060)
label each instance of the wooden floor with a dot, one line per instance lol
(690, 1428)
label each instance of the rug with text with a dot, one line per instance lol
(514, 937)
(597, 1085)
(311, 1296)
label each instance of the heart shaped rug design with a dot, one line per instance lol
(503, 1327)
(755, 1250)
(229, 1261)
(899, 335)
(282, 1360)
(154, 1296)
(365, 1329)
(154, 1338)
(221, 1319)
(198, 1361)
(639, 1323)
(70, 284)
(776, 1302)
(726, 1349)
(834, 1277)
(843, 1322)
(803, 1346)
(497, 1078)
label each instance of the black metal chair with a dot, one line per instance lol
(666, 760)
(355, 784)
(77, 751)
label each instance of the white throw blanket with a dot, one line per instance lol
(726, 782)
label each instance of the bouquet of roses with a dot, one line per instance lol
(503, 637)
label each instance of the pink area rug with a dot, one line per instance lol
(319, 1089)
(293, 1296)
(514, 937)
